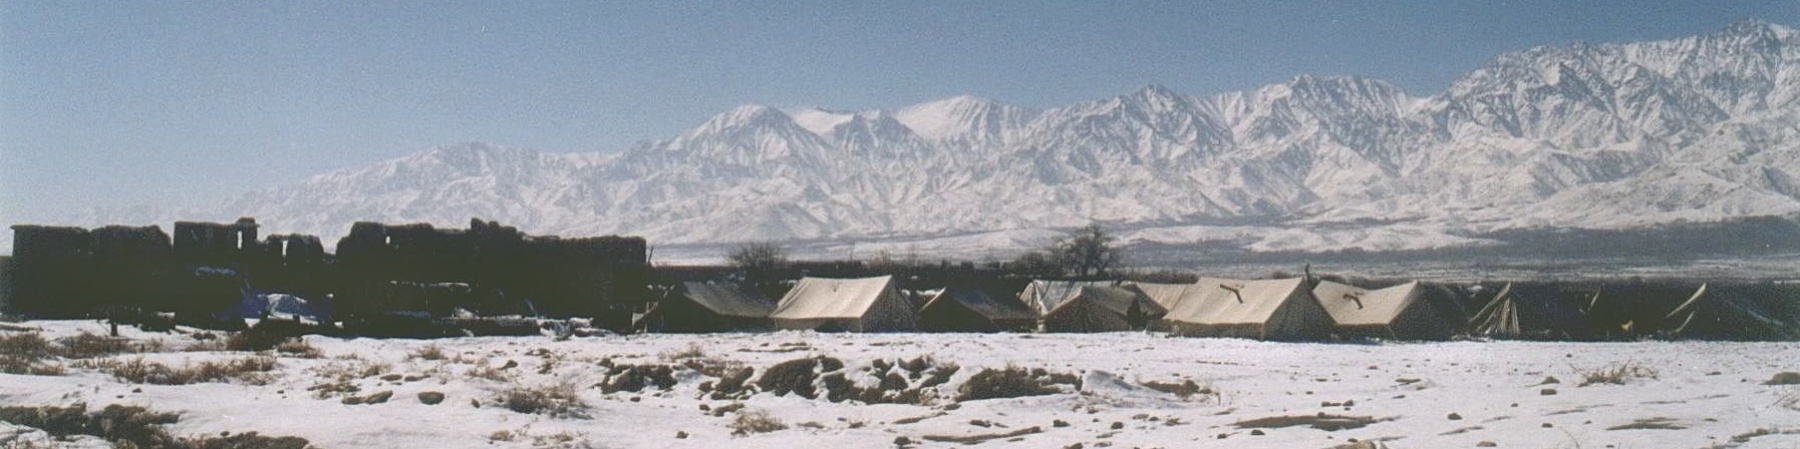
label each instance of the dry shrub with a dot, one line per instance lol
(246, 440)
(755, 421)
(1012, 382)
(693, 351)
(24, 345)
(25, 353)
(487, 371)
(206, 345)
(298, 348)
(331, 389)
(712, 366)
(1616, 374)
(1186, 389)
(557, 401)
(429, 352)
(137, 370)
(352, 368)
(118, 424)
(86, 345)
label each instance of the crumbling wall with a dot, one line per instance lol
(131, 267)
(600, 277)
(52, 266)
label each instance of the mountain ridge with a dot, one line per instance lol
(1610, 135)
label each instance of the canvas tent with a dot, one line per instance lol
(1103, 309)
(1042, 295)
(975, 308)
(1165, 295)
(1528, 312)
(1397, 312)
(1627, 310)
(1726, 314)
(845, 305)
(1275, 309)
(692, 307)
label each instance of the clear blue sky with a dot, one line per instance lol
(110, 104)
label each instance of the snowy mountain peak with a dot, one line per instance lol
(964, 117)
(1156, 97)
(747, 116)
(818, 120)
(1604, 135)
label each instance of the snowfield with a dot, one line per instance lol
(1400, 395)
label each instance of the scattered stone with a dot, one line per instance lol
(510, 364)
(1548, 425)
(1784, 378)
(1257, 432)
(1059, 423)
(681, 434)
(430, 397)
(392, 377)
(1547, 392)
(1550, 380)
(902, 441)
(1224, 435)
(378, 397)
(1117, 425)
(1486, 444)
(1455, 417)
(1074, 446)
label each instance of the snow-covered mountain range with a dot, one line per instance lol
(1582, 136)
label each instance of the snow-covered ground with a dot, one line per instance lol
(1418, 395)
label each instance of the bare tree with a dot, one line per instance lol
(758, 256)
(1089, 252)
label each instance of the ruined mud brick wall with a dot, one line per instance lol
(293, 264)
(601, 277)
(6, 278)
(132, 267)
(215, 245)
(52, 268)
(213, 259)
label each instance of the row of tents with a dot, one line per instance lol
(1274, 309)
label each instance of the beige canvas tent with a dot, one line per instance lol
(1397, 312)
(1165, 295)
(975, 308)
(709, 307)
(1103, 309)
(1277, 309)
(845, 305)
